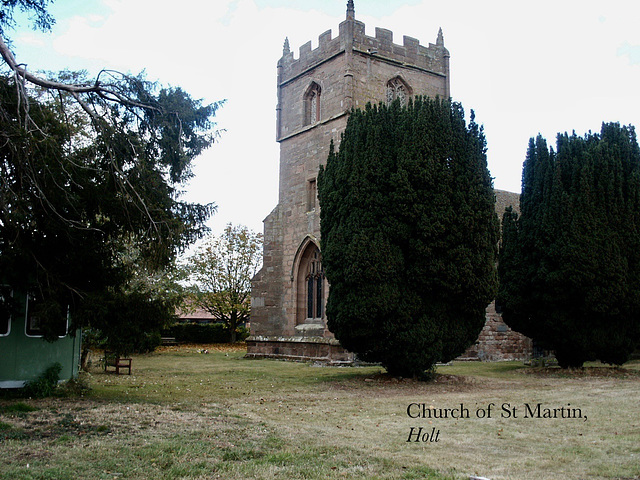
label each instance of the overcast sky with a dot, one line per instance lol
(524, 67)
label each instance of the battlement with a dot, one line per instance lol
(431, 57)
(352, 37)
(327, 48)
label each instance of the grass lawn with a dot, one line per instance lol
(189, 415)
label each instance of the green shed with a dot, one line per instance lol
(24, 353)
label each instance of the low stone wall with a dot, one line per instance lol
(498, 342)
(325, 350)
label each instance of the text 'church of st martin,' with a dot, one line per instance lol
(316, 91)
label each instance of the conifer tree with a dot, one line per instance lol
(91, 175)
(570, 265)
(409, 234)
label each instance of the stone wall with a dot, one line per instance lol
(305, 349)
(498, 342)
(266, 294)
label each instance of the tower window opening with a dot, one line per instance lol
(312, 104)
(312, 195)
(397, 89)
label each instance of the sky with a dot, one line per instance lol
(523, 67)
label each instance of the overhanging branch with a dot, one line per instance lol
(105, 91)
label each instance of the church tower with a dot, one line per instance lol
(316, 91)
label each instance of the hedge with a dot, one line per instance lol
(204, 332)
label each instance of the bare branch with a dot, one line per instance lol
(10, 60)
(105, 91)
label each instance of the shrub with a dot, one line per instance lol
(242, 333)
(205, 332)
(45, 385)
(148, 342)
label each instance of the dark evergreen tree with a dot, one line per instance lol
(570, 265)
(82, 216)
(409, 234)
(90, 178)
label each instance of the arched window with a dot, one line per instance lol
(310, 285)
(396, 88)
(312, 104)
(315, 286)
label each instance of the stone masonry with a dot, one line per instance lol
(316, 91)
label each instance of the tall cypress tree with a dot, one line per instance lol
(409, 234)
(570, 265)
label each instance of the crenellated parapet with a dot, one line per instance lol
(433, 58)
(307, 57)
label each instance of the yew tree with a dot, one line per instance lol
(570, 264)
(408, 234)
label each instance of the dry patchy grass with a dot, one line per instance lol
(185, 414)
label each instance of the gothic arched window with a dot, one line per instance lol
(396, 88)
(315, 286)
(310, 284)
(312, 104)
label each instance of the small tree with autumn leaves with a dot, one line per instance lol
(221, 272)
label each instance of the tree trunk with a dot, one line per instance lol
(84, 359)
(233, 324)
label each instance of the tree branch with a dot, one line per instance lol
(106, 92)
(10, 60)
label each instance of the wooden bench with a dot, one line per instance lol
(111, 360)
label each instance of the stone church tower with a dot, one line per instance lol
(316, 91)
